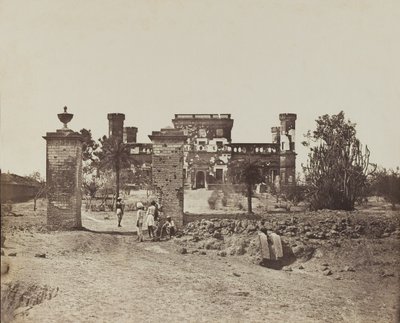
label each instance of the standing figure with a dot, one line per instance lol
(120, 210)
(150, 218)
(139, 220)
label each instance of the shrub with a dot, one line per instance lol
(224, 201)
(212, 200)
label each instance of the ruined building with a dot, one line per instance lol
(208, 148)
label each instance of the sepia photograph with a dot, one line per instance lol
(200, 161)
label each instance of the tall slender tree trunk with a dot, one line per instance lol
(117, 181)
(249, 196)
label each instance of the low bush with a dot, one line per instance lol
(212, 200)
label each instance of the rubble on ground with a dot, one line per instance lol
(336, 224)
(300, 238)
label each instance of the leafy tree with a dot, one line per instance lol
(386, 183)
(137, 174)
(89, 146)
(89, 157)
(90, 162)
(244, 171)
(114, 155)
(337, 168)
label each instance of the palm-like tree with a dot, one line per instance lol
(244, 171)
(114, 154)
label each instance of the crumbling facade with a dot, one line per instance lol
(208, 149)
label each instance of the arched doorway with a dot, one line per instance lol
(200, 180)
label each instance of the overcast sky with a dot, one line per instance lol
(152, 59)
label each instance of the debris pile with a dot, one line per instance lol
(334, 225)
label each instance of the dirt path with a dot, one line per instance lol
(103, 278)
(106, 276)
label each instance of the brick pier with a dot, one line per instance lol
(167, 172)
(64, 178)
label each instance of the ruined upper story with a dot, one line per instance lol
(211, 133)
(205, 127)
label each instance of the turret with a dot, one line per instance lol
(287, 147)
(130, 134)
(275, 132)
(288, 131)
(116, 125)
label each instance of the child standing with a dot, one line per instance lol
(139, 220)
(150, 218)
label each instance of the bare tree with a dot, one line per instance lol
(42, 191)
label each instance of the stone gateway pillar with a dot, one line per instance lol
(64, 176)
(167, 174)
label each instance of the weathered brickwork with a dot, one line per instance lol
(167, 176)
(64, 179)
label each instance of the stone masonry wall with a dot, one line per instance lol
(288, 167)
(64, 180)
(168, 177)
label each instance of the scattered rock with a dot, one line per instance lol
(203, 253)
(338, 278)
(303, 251)
(251, 228)
(212, 244)
(240, 293)
(309, 235)
(301, 267)
(182, 251)
(195, 251)
(12, 254)
(328, 272)
(325, 264)
(396, 233)
(196, 238)
(4, 268)
(236, 274)
(40, 255)
(222, 253)
(218, 235)
(348, 268)
(287, 268)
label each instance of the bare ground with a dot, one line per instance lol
(103, 275)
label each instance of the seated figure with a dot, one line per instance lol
(168, 227)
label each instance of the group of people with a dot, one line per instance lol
(149, 219)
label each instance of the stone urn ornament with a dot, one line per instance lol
(65, 117)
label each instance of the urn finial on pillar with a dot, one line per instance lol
(65, 117)
(64, 176)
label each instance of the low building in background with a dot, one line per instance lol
(17, 188)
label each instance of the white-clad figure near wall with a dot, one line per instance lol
(139, 220)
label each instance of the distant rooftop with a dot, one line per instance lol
(202, 116)
(17, 180)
